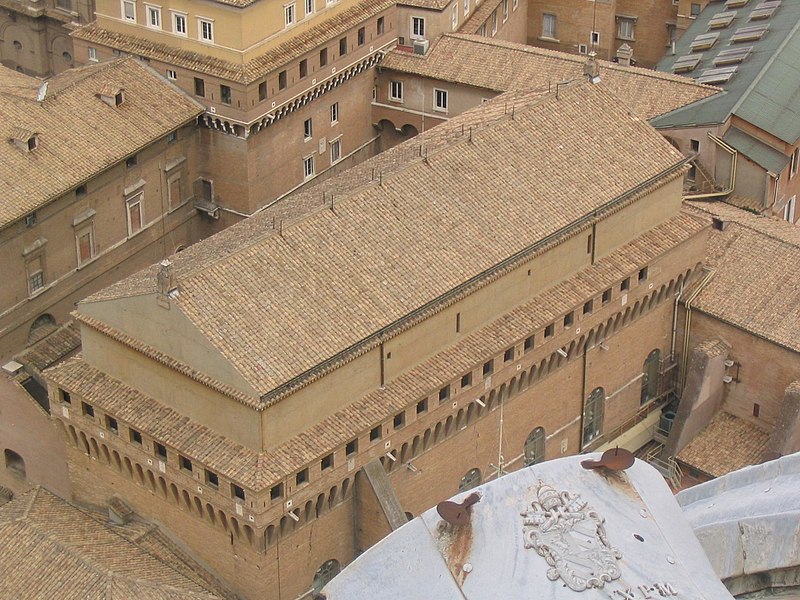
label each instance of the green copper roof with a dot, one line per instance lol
(757, 151)
(765, 88)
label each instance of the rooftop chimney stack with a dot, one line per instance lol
(625, 55)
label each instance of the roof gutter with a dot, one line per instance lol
(734, 159)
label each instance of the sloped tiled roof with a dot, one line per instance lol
(257, 471)
(79, 136)
(52, 549)
(727, 444)
(59, 344)
(443, 222)
(503, 66)
(756, 284)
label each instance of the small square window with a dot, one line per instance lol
(65, 397)
(362, 36)
(303, 68)
(92, 54)
(549, 330)
(276, 491)
(225, 94)
(508, 355)
(399, 420)
(422, 406)
(323, 57)
(238, 492)
(212, 479)
(172, 136)
(396, 91)
(80, 191)
(199, 87)
(642, 274)
(171, 74)
(161, 450)
(588, 306)
(131, 161)
(695, 9)
(136, 436)
(343, 46)
(375, 433)
(466, 380)
(528, 344)
(262, 91)
(301, 477)
(111, 424)
(326, 462)
(626, 284)
(607, 296)
(444, 393)
(440, 100)
(351, 447)
(488, 367)
(185, 463)
(569, 318)
(282, 80)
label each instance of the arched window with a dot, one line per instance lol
(593, 415)
(46, 320)
(534, 447)
(15, 463)
(650, 376)
(327, 571)
(471, 479)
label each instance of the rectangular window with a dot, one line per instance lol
(212, 478)
(308, 167)
(444, 393)
(362, 36)
(84, 240)
(135, 436)
(505, 11)
(466, 7)
(92, 54)
(642, 274)
(129, 10)
(185, 463)
(308, 129)
(64, 4)
(336, 151)
(262, 91)
(375, 433)
(351, 447)
(276, 491)
(396, 91)
(508, 355)
(793, 162)
(87, 410)
(334, 113)
(174, 195)
(494, 22)
(595, 38)
(323, 57)
(179, 24)
(454, 17)
(309, 7)
(607, 296)
(514, 4)
(466, 380)
(549, 330)
(66, 397)
(695, 9)
(199, 87)
(206, 30)
(111, 424)
(171, 75)
(160, 450)
(625, 28)
(301, 477)
(237, 492)
(756, 409)
(417, 27)
(303, 68)
(282, 80)
(440, 100)
(422, 406)
(289, 15)
(488, 367)
(625, 285)
(135, 210)
(788, 210)
(343, 46)
(549, 26)
(380, 26)
(35, 275)
(568, 319)
(399, 420)
(154, 17)
(225, 94)
(528, 344)
(588, 306)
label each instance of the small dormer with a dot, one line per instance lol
(25, 139)
(112, 95)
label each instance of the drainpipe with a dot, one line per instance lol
(675, 322)
(734, 156)
(685, 358)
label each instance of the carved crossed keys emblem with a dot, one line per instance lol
(572, 539)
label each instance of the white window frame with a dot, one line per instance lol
(334, 113)
(549, 25)
(308, 167)
(795, 159)
(135, 199)
(202, 22)
(85, 230)
(454, 17)
(172, 75)
(152, 10)
(289, 14)
(788, 210)
(309, 7)
(505, 11)
(396, 91)
(594, 38)
(336, 155)
(308, 132)
(466, 7)
(124, 15)
(417, 28)
(92, 54)
(514, 4)
(441, 100)
(626, 28)
(494, 22)
(179, 17)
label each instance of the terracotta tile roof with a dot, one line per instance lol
(481, 14)
(416, 215)
(727, 444)
(70, 150)
(503, 66)
(294, 45)
(756, 286)
(62, 342)
(258, 471)
(397, 250)
(52, 549)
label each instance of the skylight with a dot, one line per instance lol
(687, 63)
(749, 33)
(732, 56)
(704, 41)
(721, 20)
(720, 75)
(764, 10)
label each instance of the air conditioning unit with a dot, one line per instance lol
(421, 46)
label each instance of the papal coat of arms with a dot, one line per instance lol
(571, 537)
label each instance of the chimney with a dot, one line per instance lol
(625, 56)
(591, 70)
(165, 281)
